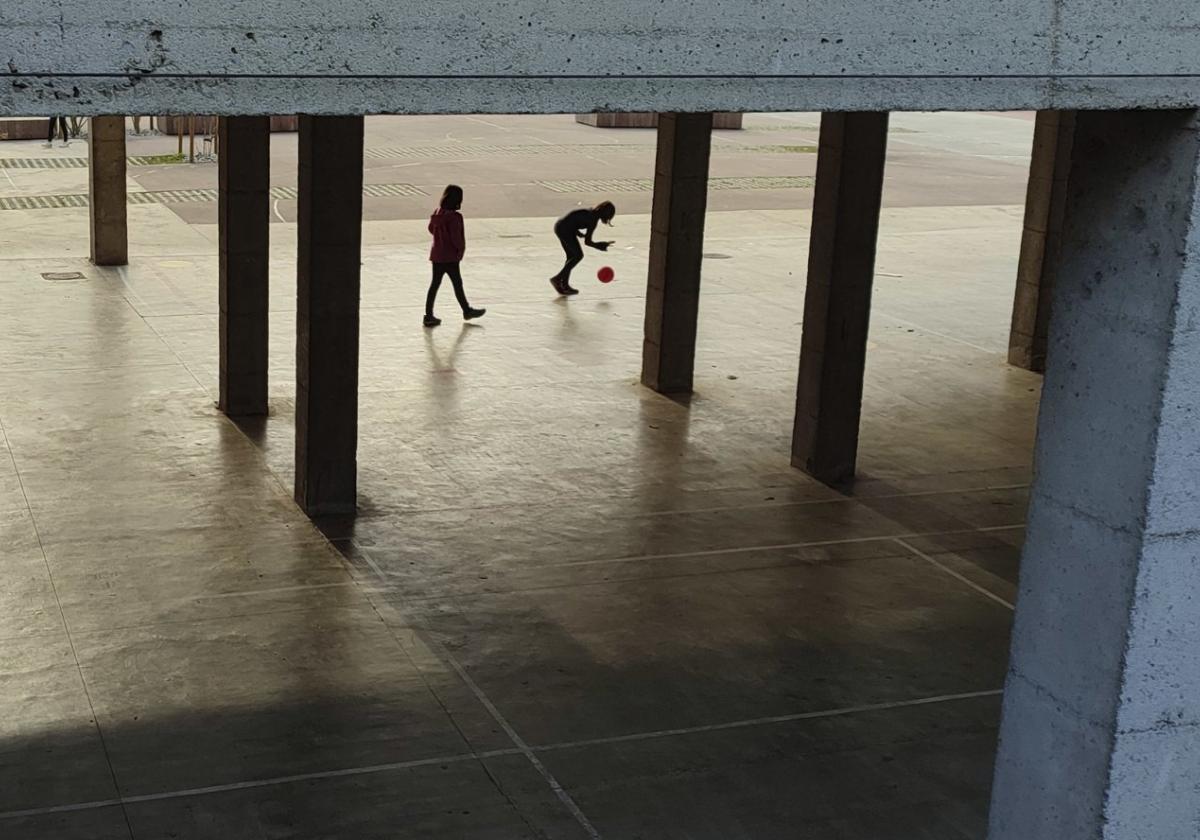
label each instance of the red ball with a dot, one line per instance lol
(606, 275)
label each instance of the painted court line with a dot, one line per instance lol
(955, 339)
(981, 590)
(828, 500)
(716, 552)
(519, 742)
(559, 791)
(521, 749)
(766, 721)
(257, 783)
(246, 593)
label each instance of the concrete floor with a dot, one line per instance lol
(569, 607)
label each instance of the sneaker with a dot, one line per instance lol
(66, 144)
(569, 290)
(471, 314)
(431, 321)
(557, 284)
(49, 144)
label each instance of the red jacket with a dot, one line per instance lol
(449, 238)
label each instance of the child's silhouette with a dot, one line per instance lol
(570, 229)
(449, 246)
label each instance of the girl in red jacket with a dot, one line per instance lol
(449, 245)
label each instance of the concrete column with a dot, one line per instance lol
(1102, 706)
(837, 306)
(676, 251)
(327, 296)
(243, 211)
(1041, 240)
(106, 191)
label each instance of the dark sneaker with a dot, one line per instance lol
(472, 314)
(431, 321)
(569, 290)
(557, 284)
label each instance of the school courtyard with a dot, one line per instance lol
(568, 607)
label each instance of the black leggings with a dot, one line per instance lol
(574, 251)
(440, 269)
(54, 121)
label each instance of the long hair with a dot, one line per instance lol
(605, 211)
(452, 198)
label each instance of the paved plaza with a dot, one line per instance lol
(569, 607)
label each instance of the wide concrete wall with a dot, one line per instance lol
(364, 56)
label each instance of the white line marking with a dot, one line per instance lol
(981, 590)
(275, 210)
(370, 561)
(521, 745)
(426, 163)
(258, 783)
(766, 721)
(527, 750)
(95, 721)
(715, 552)
(964, 342)
(246, 593)
(773, 547)
(766, 505)
(518, 741)
(485, 122)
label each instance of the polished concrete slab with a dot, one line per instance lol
(568, 607)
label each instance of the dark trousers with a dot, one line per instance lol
(440, 270)
(574, 251)
(54, 122)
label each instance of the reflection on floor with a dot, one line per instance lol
(569, 607)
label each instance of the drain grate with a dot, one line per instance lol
(764, 182)
(385, 190)
(778, 182)
(82, 162)
(892, 129)
(42, 202)
(55, 202)
(600, 186)
(44, 163)
(427, 153)
(154, 160)
(172, 196)
(62, 276)
(369, 190)
(456, 150)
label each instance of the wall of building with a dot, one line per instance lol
(569, 56)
